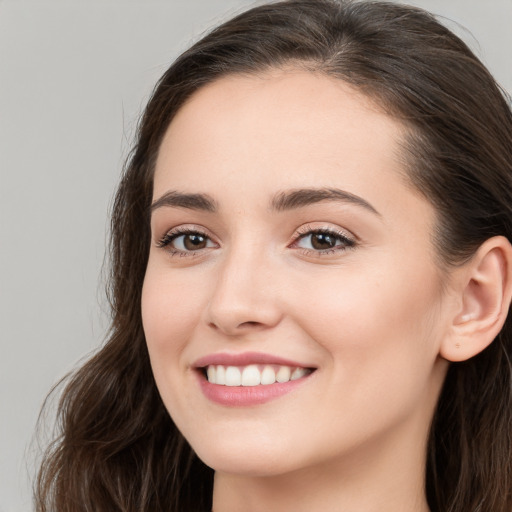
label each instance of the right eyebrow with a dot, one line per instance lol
(298, 198)
(177, 199)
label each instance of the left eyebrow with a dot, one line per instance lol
(177, 199)
(306, 196)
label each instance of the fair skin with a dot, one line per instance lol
(346, 286)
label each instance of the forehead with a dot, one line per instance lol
(281, 129)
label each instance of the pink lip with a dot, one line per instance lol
(244, 359)
(243, 396)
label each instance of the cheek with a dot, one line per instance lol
(381, 350)
(171, 308)
(375, 323)
(170, 314)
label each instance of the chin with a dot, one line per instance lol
(256, 457)
(243, 466)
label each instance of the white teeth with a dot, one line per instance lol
(233, 376)
(211, 372)
(220, 378)
(268, 375)
(298, 373)
(253, 375)
(283, 374)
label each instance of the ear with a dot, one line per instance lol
(485, 290)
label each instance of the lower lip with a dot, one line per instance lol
(243, 396)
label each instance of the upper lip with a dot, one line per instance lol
(245, 359)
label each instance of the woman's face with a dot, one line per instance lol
(286, 244)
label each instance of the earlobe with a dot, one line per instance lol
(486, 291)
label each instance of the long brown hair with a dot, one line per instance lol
(118, 449)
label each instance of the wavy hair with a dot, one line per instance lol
(117, 448)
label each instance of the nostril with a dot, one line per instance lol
(249, 324)
(243, 325)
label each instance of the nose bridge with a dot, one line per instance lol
(244, 295)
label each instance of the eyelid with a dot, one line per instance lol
(308, 229)
(349, 240)
(170, 235)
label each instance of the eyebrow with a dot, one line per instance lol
(283, 201)
(177, 199)
(306, 196)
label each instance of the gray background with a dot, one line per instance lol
(74, 76)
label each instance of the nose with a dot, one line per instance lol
(245, 297)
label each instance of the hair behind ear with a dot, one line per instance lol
(470, 439)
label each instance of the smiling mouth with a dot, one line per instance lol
(253, 374)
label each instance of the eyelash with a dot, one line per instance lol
(346, 241)
(171, 236)
(305, 231)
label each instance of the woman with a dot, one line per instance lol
(310, 279)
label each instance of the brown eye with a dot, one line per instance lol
(186, 242)
(194, 241)
(321, 241)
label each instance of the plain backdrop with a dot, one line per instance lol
(74, 76)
